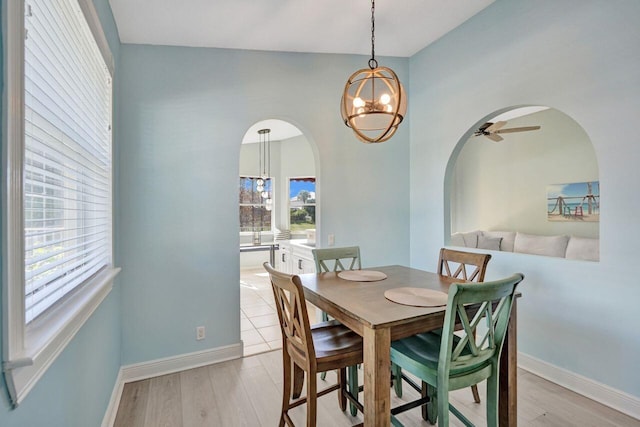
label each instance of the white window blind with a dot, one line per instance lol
(67, 157)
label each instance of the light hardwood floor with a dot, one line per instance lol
(247, 392)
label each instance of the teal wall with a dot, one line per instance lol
(183, 113)
(580, 57)
(75, 390)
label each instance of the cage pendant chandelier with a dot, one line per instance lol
(264, 164)
(374, 102)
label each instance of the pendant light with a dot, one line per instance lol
(373, 102)
(264, 164)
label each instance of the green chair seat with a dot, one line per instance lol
(424, 349)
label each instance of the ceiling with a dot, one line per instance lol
(280, 131)
(402, 27)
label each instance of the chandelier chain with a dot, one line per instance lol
(372, 62)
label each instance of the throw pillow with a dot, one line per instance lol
(491, 243)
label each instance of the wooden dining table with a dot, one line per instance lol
(362, 307)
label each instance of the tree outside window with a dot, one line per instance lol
(254, 215)
(302, 203)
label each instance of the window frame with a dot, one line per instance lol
(315, 204)
(273, 209)
(28, 350)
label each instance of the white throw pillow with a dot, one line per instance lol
(583, 248)
(555, 246)
(491, 243)
(508, 239)
(457, 240)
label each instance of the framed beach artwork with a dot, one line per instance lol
(578, 201)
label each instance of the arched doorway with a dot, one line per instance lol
(280, 166)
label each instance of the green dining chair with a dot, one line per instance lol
(450, 361)
(468, 266)
(331, 259)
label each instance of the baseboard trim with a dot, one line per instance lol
(609, 396)
(169, 365)
(110, 416)
(164, 366)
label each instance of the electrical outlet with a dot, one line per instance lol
(331, 239)
(200, 333)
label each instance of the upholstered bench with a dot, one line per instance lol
(562, 246)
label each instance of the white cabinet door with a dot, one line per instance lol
(283, 259)
(303, 265)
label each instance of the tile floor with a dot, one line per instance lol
(259, 326)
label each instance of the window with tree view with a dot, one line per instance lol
(302, 203)
(254, 213)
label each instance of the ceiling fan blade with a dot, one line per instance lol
(495, 126)
(521, 129)
(494, 137)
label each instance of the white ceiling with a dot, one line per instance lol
(280, 131)
(402, 27)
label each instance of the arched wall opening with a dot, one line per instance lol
(512, 186)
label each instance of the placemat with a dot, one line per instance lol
(417, 297)
(362, 275)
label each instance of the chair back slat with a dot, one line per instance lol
(474, 262)
(350, 255)
(292, 314)
(492, 301)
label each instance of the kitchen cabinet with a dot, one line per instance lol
(295, 257)
(283, 258)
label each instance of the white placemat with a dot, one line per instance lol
(417, 297)
(362, 275)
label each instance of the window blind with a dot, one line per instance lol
(67, 158)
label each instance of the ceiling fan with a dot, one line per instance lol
(491, 130)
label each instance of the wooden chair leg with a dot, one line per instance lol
(492, 400)
(396, 371)
(354, 388)
(342, 382)
(298, 381)
(286, 386)
(476, 395)
(325, 318)
(431, 407)
(312, 399)
(424, 392)
(443, 404)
